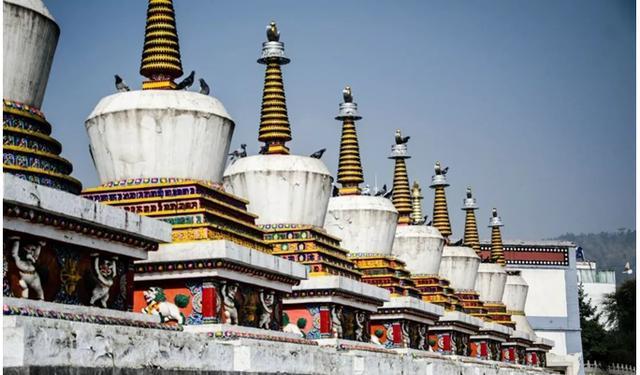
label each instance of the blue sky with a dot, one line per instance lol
(531, 103)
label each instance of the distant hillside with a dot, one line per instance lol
(610, 250)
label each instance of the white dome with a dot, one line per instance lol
(159, 133)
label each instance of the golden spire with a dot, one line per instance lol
(161, 53)
(497, 251)
(470, 227)
(275, 131)
(440, 211)
(349, 167)
(401, 196)
(416, 203)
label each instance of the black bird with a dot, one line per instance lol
(263, 150)
(204, 88)
(238, 153)
(389, 194)
(121, 86)
(445, 170)
(318, 154)
(429, 223)
(457, 243)
(187, 82)
(335, 191)
(382, 191)
(400, 139)
(273, 35)
(422, 221)
(346, 95)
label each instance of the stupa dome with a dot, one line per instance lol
(159, 133)
(365, 224)
(459, 264)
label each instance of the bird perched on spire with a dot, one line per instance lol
(443, 171)
(238, 153)
(366, 190)
(204, 88)
(121, 86)
(400, 139)
(346, 94)
(187, 82)
(382, 191)
(468, 192)
(318, 154)
(273, 35)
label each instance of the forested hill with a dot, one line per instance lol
(610, 250)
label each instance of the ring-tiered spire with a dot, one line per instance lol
(416, 203)
(350, 174)
(401, 196)
(275, 130)
(470, 226)
(497, 250)
(440, 211)
(161, 52)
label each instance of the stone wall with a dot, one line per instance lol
(38, 345)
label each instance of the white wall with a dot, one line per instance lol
(547, 292)
(559, 339)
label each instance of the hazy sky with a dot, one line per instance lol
(529, 102)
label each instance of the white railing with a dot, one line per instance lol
(595, 368)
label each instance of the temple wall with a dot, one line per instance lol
(159, 133)
(29, 43)
(31, 341)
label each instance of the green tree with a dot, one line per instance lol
(621, 312)
(594, 337)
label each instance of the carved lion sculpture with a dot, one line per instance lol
(157, 305)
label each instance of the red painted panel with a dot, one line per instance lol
(208, 301)
(325, 321)
(397, 333)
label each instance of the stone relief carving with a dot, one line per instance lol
(229, 299)
(336, 321)
(267, 300)
(360, 319)
(422, 334)
(104, 271)
(25, 258)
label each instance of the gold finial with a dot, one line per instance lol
(440, 211)
(470, 238)
(161, 52)
(273, 35)
(497, 250)
(350, 174)
(416, 204)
